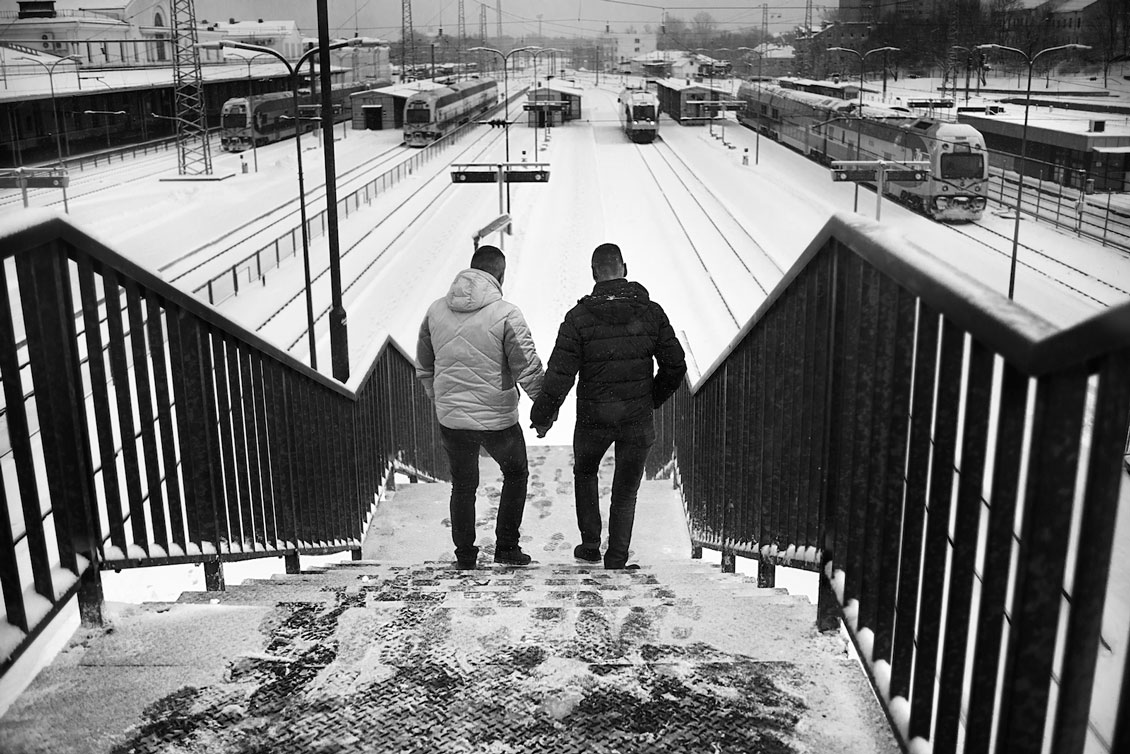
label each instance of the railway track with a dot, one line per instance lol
(709, 226)
(288, 214)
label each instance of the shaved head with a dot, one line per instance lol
(608, 263)
(489, 259)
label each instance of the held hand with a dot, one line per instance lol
(541, 430)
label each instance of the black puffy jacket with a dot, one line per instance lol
(613, 338)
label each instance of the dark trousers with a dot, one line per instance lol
(589, 445)
(508, 448)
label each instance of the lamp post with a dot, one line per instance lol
(757, 132)
(254, 142)
(1031, 61)
(537, 113)
(711, 79)
(506, 96)
(293, 71)
(55, 111)
(859, 122)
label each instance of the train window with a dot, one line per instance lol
(417, 115)
(644, 112)
(966, 165)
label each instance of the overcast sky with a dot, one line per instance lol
(559, 18)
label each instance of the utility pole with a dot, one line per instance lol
(498, 18)
(461, 31)
(482, 32)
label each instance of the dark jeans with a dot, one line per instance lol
(508, 448)
(589, 445)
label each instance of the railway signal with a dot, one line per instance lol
(25, 178)
(502, 173)
(880, 172)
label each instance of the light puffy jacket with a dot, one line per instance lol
(473, 350)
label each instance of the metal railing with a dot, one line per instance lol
(142, 429)
(932, 450)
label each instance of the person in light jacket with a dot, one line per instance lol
(473, 351)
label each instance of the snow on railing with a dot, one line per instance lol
(951, 464)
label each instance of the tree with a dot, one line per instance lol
(1107, 25)
(703, 26)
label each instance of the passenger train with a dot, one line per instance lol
(827, 129)
(639, 114)
(263, 118)
(430, 114)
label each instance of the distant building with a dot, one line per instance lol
(619, 49)
(281, 36)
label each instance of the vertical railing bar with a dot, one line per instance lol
(901, 373)
(998, 556)
(914, 506)
(120, 375)
(101, 399)
(1049, 491)
(847, 521)
(964, 552)
(156, 334)
(264, 435)
(19, 436)
(937, 528)
(221, 366)
(1092, 567)
(249, 450)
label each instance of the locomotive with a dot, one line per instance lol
(428, 115)
(829, 129)
(263, 118)
(639, 114)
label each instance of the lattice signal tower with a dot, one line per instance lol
(498, 14)
(482, 32)
(193, 154)
(407, 39)
(461, 31)
(808, 58)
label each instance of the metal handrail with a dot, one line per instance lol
(877, 393)
(167, 434)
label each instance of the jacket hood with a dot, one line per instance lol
(472, 290)
(617, 301)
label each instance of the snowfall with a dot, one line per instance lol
(402, 251)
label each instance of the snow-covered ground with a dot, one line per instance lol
(397, 255)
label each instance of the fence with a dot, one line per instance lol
(951, 464)
(141, 428)
(252, 267)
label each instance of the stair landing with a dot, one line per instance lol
(403, 653)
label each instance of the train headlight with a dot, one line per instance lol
(941, 202)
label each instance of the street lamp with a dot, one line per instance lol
(711, 84)
(293, 71)
(757, 131)
(55, 111)
(1031, 60)
(859, 122)
(254, 142)
(105, 112)
(506, 95)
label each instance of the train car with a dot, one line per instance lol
(429, 115)
(639, 114)
(828, 129)
(264, 118)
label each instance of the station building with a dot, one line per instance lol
(1082, 149)
(553, 103)
(687, 102)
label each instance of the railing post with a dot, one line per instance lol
(766, 573)
(292, 562)
(214, 576)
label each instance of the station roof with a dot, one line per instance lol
(681, 84)
(1072, 129)
(559, 85)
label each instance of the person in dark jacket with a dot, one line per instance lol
(474, 349)
(613, 339)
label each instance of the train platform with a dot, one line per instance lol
(401, 652)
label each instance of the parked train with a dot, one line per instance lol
(827, 129)
(428, 115)
(264, 118)
(639, 114)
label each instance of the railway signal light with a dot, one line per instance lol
(915, 176)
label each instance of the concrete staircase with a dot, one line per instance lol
(404, 653)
